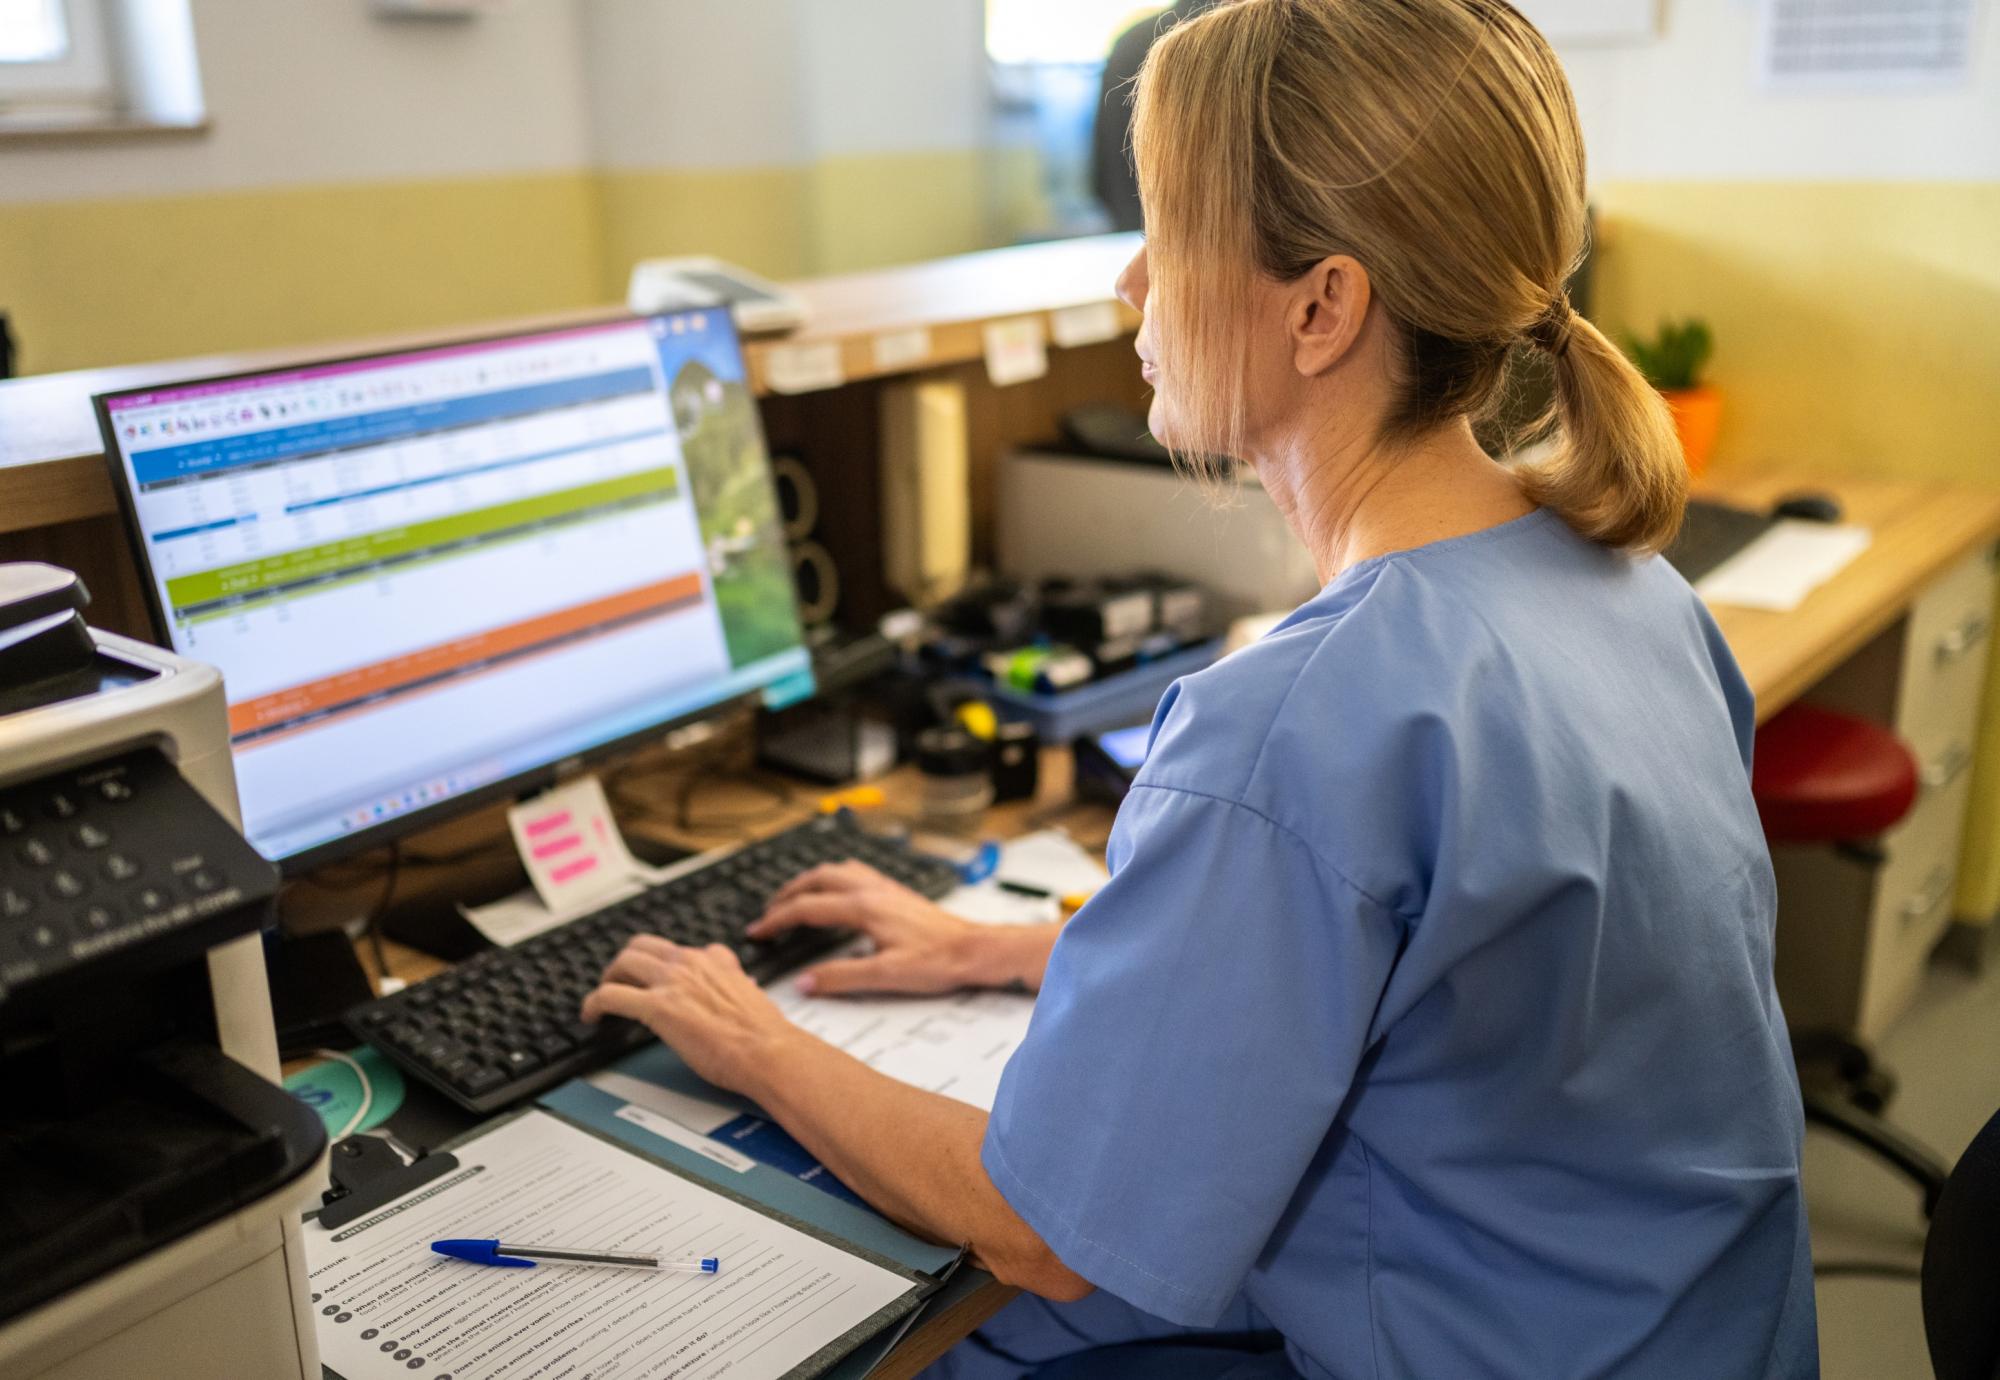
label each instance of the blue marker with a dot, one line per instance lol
(491, 1252)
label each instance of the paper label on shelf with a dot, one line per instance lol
(804, 368)
(1087, 324)
(1016, 350)
(570, 844)
(896, 351)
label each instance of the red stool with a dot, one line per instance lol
(1822, 777)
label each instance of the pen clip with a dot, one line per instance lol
(480, 1252)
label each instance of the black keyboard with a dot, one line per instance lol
(503, 1026)
(1712, 533)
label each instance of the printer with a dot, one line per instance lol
(152, 1171)
(1073, 515)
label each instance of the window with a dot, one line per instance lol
(1059, 31)
(1048, 63)
(52, 60)
(32, 31)
(86, 64)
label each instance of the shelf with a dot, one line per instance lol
(52, 462)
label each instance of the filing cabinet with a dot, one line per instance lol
(1854, 938)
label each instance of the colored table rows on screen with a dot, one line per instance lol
(191, 593)
(367, 684)
(169, 464)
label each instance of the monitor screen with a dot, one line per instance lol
(429, 574)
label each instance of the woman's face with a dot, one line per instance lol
(1265, 379)
(1132, 286)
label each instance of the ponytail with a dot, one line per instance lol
(1617, 475)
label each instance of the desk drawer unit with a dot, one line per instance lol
(1853, 941)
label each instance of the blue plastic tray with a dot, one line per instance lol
(1130, 697)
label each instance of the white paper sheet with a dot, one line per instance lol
(1862, 45)
(388, 1308)
(955, 1044)
(1779, 569)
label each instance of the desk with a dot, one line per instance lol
(971, 1300)
(56, 502)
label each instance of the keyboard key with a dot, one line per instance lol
(12, 821)
(66, 885)
(60, 805)
(89, 836)
(520, 1061)
(35, 853)
(14, 904)
(114, 790)
(118, 867)
(479, 1080)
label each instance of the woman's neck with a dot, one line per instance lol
(1349, 499)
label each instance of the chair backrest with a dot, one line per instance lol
(1961, 1279)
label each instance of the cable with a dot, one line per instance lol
(1878, 1269)
(367, 1089)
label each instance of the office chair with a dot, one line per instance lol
(1822, 777)
(1961, 1274)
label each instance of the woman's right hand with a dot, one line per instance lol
(919, 948)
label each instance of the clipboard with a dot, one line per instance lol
(381, 1186)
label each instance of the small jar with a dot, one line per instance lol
(955, 769)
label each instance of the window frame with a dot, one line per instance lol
(79, 83)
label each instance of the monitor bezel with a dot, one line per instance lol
(392, 832)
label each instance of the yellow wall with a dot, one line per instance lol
(1857, 324)
(105, 282)
(1857, 330)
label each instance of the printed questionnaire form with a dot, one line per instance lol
(386, 1306)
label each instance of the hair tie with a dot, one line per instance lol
(1550, 331)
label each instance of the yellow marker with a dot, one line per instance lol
(853, 798)
(977, 718)
(1075, 900)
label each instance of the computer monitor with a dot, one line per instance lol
(432, 577)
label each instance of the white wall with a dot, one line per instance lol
(1689, 105)
(693, 83)
(776, 83)
(322, 91)
(894, 76)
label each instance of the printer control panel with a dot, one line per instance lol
(119, 859)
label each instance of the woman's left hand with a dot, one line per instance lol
(699, 1001)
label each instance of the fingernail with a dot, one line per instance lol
(807, 983)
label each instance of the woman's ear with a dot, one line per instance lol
(1328, 309)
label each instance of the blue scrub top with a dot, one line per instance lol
(1429, 1007)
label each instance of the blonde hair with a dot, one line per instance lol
(1436, 142)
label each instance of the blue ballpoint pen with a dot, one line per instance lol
(488, 1251)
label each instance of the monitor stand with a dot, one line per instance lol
(315, 979)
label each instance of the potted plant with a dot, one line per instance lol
(1672, 361)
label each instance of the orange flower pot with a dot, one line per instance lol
(1697, 415)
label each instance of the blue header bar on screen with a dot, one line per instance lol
(334, 433)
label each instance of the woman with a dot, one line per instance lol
(1426, 1026)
